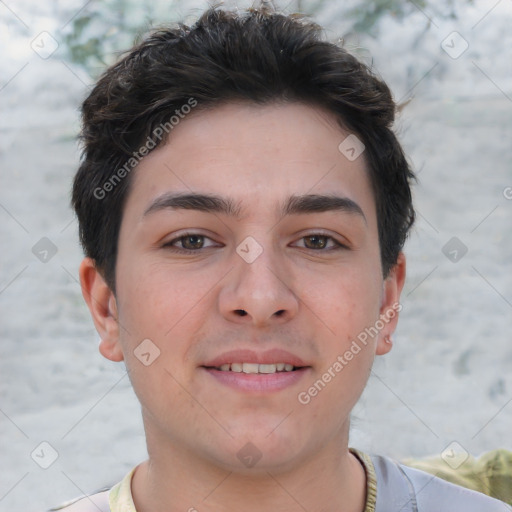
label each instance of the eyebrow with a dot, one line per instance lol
(303, 204)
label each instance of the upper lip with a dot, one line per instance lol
(272, 356)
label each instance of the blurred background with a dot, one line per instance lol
(69, 421)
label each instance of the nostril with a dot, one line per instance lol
(241, 312)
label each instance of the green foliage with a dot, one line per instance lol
(105, 27)
(367, 15)
(95, 37)
(84, 50)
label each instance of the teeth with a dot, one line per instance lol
(236, 367)
(267, 368)
(256, 368)
(250, 367)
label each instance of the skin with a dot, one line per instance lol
(188, 306)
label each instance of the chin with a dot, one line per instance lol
(253, 459)
(262, 446)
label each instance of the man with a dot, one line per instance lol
(243, 204)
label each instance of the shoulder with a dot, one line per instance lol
(97, 502)
(415, 490)
(120, 496)
(436, 494)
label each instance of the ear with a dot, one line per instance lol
(390, 305)
(103, 307)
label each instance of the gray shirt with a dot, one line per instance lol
(399, 489)
(404, 489)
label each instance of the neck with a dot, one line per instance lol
(176, 479)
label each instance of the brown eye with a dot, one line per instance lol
(321, 243)
(317, 242)
(189, 243)
(192, 241)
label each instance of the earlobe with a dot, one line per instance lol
(103, 308)
(390, 305)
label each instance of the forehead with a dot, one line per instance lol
(257, 155)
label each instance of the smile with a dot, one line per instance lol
(257, 378)
(256, 368)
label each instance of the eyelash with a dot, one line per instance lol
(169, 245)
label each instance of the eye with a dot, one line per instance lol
(318, 241)
(195, 242)
(189, 242)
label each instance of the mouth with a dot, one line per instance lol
(255, 368)
(252, 372)
(255, 381)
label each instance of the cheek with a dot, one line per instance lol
(158, 300)
(167, 308)
(350, 302)
(347, 351)
(155, 316)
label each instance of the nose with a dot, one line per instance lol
(259, 293)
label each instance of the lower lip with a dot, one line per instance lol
(258, 382)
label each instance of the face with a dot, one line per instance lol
(273, 264)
